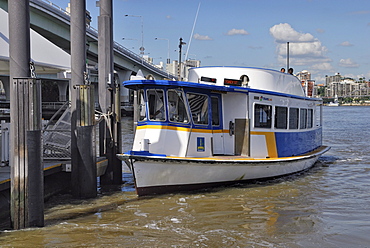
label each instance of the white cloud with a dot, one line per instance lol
(202, 37)
(319, 79)
(346, 44)
(322, 67)
(304, 48)
(283, 33)
(348, 63)
(367, 75)
(308, 49)
(237, 32)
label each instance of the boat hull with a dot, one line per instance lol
(159, 175)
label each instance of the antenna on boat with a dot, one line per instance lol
(287, 56)
(192, 31)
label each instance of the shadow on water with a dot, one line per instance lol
(65, 207)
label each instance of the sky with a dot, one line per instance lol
(325, 36)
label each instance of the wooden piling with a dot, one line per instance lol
(84, 176)
(27, 179)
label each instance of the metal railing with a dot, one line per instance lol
(57, 137)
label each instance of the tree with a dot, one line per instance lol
(321, 91)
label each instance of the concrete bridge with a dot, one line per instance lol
(53, 23)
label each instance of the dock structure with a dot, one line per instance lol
(56, 178)
(26, 149)
(29, 179)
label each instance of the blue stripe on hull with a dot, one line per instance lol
(297, 143)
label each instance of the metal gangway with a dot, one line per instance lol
(57, 137)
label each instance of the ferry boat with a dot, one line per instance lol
(223, 126)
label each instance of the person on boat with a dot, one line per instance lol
(172, 111)
(290, 71)
(244, 79)
(282, 70)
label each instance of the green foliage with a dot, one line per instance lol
(321, 91)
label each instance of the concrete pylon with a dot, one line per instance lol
(109, 96)
(27, 191)
(83, 155)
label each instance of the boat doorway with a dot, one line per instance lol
(217, 129)
(242, 134)
(237, 135)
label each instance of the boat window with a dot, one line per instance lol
(215, 111)
(293, 118)
(199, 107)
(318, 115)
(262, 116)
(310, 118)
(176, 107)
(141, 105)
(303, 119)
(156, 105)
(281, 115)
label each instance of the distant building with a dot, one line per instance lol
(303, 75)
(192, 63)
(172, 68)
(345, 87)
(330, 79)
(185, 66)
(307, 84)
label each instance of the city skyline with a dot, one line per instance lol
(325, 37)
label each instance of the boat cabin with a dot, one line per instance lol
(226, 111)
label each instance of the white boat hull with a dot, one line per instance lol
(333, 104)
(157, 175)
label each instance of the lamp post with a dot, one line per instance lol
(142, 49)
(287, 56)
(129, 39)
(168, 54)
(168, 51)
(180, 48)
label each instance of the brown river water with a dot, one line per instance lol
(327, 206)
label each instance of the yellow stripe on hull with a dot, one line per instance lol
(270, 141)
(184, 129)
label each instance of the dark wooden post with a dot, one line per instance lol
(84, 175)
(27, 178)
